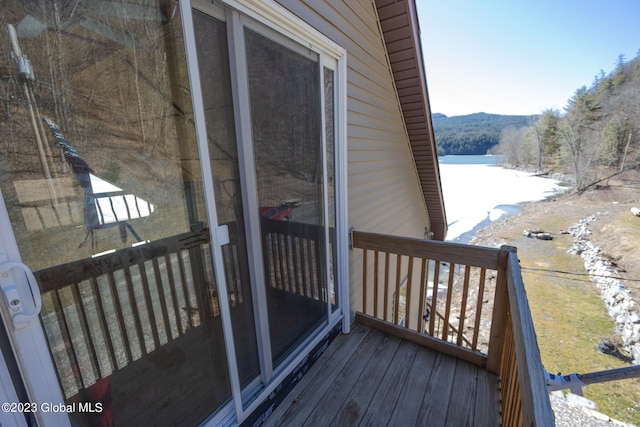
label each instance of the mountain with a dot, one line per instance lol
(473, 133)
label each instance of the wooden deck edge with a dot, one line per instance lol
(441, 346)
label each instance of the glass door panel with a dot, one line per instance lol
(213, 58)
(285, 104)
(100, 173)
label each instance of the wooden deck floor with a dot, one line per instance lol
(370, 378)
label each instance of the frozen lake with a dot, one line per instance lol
(476, 192)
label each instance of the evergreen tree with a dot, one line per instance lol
(547, 135)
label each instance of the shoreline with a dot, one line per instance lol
(468, 236)
(480, 191)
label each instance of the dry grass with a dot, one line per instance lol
(569, 316)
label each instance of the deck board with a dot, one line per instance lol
(297, 406)
(378, 413)
(463, 393)
(436, 399)
(414, 389)
(371, 378)
(329, 403)
(362, 391)
(487, 404)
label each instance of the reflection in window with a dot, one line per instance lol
(102, 82)
(285, 100)
(100, 174)
(211, 39)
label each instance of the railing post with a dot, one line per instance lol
(500, 314)
(536, 408)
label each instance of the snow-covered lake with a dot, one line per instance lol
(476, 192)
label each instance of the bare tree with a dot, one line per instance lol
(580, 133)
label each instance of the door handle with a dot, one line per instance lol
(11, 293)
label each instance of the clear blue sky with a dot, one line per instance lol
(520, 57)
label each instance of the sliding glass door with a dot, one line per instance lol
(289, 165)
(104, 200)
(213, 59)
(169, 206)
(272, 161)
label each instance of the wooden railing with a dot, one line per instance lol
(103, 313)
(294, 258)
(466, 301)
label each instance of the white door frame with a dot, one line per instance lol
(29, 342)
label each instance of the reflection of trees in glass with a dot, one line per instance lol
(112, 75)
(285, 107)
(100, 74)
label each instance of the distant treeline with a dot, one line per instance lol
(474, 133)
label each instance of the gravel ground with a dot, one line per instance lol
(575, 411)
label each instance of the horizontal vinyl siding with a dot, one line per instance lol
(385, 195)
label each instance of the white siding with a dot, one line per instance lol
(384, 190)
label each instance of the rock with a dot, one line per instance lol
(575, 414)
(612, 291)
(537, 234)
(635, 211)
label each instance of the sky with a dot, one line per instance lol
(520, 57)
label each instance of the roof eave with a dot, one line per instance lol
(401, 32)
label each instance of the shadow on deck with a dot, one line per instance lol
(370, 377)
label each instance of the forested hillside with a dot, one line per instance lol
(597, 135)
(473, 133)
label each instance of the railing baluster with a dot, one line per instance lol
(184, 263)
(174, 295)
(319, 280)
(133, 304)
(479, 303)
(396, 300)
(200, 283)
(267, 249)
(309, 263)
(447, 311)
(434, 297)
(68, 343)
(424, 276)
(120, 317)
(104, 324)
(365, 285)
(149, 305)
(463, 304)
(386, 286)
(281, 281)
(375, 282)
(407, 309)
(85, 330)
(162, 300)
(287, 263)
(296, 265)
(302, 266)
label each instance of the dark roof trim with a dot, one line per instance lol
(401, 32)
